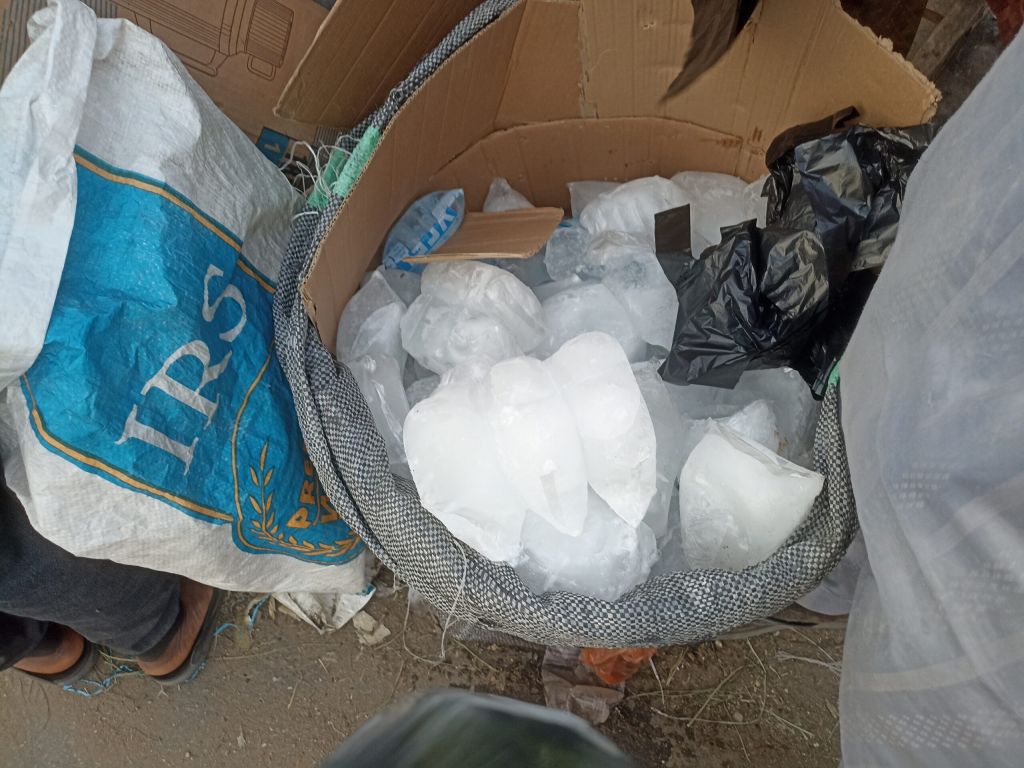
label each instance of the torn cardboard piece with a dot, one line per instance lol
(506, 235)
(552, 92)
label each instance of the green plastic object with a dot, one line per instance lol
(343, 169)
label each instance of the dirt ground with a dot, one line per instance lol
(284, 696)
(287, 697)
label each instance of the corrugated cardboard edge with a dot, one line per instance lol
(471, 60)
(328, 66)
(506, 235)
(292, 96)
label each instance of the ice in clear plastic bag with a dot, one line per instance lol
(587, 307)
(582, 193)
(469, 310)
(608, 558)
(615, 429)
(380, 381)
(718, 200)
(739, 501)
(502, 197)
(364, 328)
(458, 473)
(631, 207)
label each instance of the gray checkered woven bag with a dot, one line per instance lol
(463, 586)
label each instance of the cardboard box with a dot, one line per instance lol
(561, 90)
(242, 53)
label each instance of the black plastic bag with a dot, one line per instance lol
(779, 296)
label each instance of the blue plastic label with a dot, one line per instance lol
(273, 144)
(158, 371)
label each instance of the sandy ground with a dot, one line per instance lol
(284, 696)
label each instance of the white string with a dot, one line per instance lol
(462, 586)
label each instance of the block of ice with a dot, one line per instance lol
(587, 307)
(414, 371)
(611, 251)
(783, 389)
(758, 203)
(488, 291)
(381, 335)
(530, 272)
(795, 408)
(458, 473)
(696, 402)
(671, 446)
(440, 336)
(605, 561)
(565, 252)
(537, 442)
(421, 389)
(614, 425)
(635, 277)
(470, 373)
(405, 284)
(375, 294)
(756, 422)
(545, 291)
(739, 502)
(380, 381)
(502, 197)
(718, 200)
(582, 193)
(631, 207)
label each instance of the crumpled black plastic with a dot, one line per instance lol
(783, 295)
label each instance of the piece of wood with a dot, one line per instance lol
(945, 23)
(506, 235)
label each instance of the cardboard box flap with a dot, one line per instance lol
(434, 127)
(538, 159)
(795, 62)
(563, 90)
(363, 49)
(505, 235)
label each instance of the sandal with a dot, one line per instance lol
(182, 653)
(58, 645)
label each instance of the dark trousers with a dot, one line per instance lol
(125, 608)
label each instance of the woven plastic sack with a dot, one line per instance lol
(465, 587)
(143, 415)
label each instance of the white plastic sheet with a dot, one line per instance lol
(40, 109)
(933, 411)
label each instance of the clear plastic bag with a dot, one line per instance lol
(933, 414)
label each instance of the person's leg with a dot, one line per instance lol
(50, 599)
(19, 637)
(125, 608)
